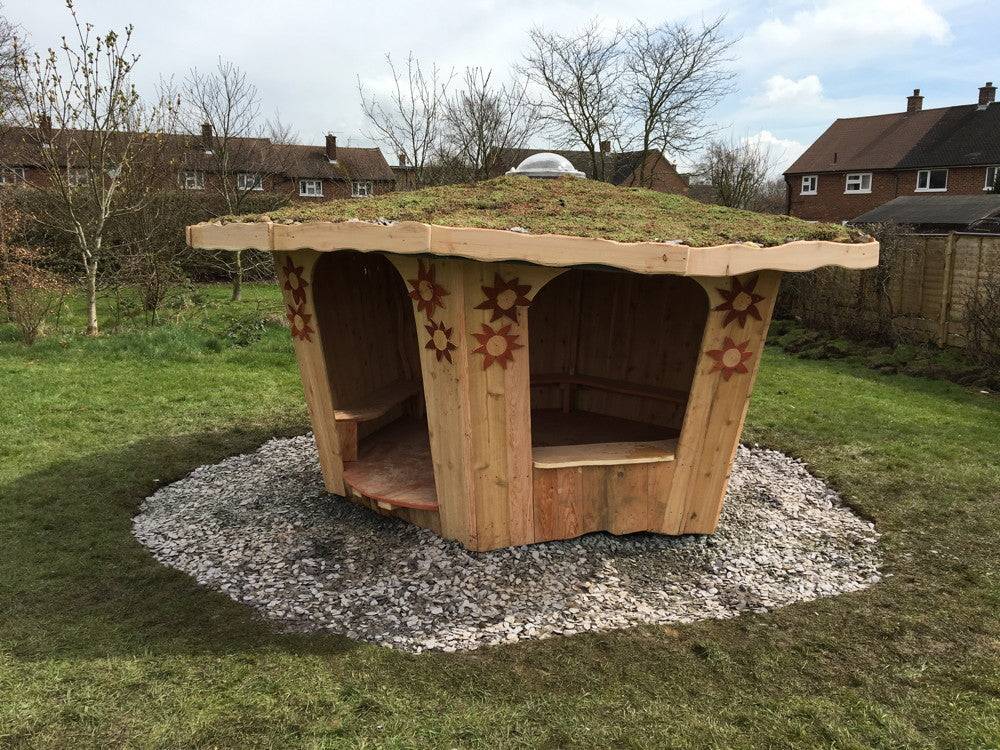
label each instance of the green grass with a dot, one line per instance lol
(583, 208)
(102, 647)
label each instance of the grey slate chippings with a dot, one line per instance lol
(262, 529)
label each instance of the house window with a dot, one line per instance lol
(311, 188)
(858, 182)
(77, 176)
(932, 180)
(361, 189)
(992, 173)
(191, 179)
(809, 183)
(11, 175)
(249, 181)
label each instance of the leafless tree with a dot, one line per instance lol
(12, 44)
(737, 171)
(241, 153)
(639, 88)
(96, 142)
(772, 197)
(484, 117)
(410, 119)
(580, 75)
(672, 76)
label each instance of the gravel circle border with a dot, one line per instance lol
(261, 528)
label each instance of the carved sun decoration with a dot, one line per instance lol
(732, 357)
(426, 292)
(440, 341)
(504, 297)
(298, 321)
(740, 301)
(496, 345)
(295, 282)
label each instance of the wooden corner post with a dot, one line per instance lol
(472, 332)
(740, 309)
(295, 279)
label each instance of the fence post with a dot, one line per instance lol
(946, 292)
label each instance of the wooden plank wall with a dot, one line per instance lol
(627, 327)
(364, 313)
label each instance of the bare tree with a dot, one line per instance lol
(641, 88)
(87, 130)
(737, 171)
(672, 76)
(580, 75)
(772, 197)
(240, 153)
(410, 119)
(483, 118)
(12, 45)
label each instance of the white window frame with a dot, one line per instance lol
(191, 179)
(995, 172)
(813, 180)
(858, 177)
(362, 189)
(12, 176)
(77, 176)
(247, 181)
(311, 188)
(927, 188)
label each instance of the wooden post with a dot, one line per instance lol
(477, 394)
(295, 278)
(946, 291)
(740, 311)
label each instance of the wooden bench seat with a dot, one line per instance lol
(603, 454)
(395, 469)
(378, 402)
(370, 407)
(611, 385)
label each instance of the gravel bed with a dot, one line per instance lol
(261, 528)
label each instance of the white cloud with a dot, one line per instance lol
(851, 31)
(779, 90)
(783, 151)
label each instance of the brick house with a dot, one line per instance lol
(860, 163)
(306, 173)
(648, 169)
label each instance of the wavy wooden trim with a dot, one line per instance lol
(802, 255)
(555, 250)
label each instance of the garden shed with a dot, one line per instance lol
(521, 360)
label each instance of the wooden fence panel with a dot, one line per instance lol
(928, 289)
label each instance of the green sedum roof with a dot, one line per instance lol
(582, 208)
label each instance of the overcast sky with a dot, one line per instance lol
(800, 64)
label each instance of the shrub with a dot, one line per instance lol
(31, 293)
(982, 320)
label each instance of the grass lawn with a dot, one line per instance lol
(100, 646)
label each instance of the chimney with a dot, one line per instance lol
(45, 125)
(402, 159)
(605, 147)
(914, 103)
(987, 94)
(331, 147)
(207, 137)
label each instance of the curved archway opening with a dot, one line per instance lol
(613, 356)
(370, 347)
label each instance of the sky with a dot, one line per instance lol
(799, 65)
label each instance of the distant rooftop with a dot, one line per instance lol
(935, 210)
(963, 135)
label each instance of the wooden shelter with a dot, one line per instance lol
(504, 363)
